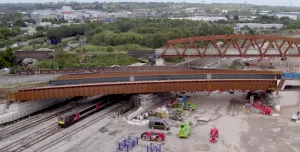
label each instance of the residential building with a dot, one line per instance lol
(291, 15)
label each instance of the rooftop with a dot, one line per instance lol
(293, 13)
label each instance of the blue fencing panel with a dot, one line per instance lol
(291, 75)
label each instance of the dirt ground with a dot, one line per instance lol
(240, 131)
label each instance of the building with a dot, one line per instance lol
(259, 25)
(291, 15)
(39, 15)
(203, 18)
(44, 24)
(139, 15)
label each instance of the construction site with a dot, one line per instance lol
(222, 103)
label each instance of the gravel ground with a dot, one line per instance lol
(239, 130)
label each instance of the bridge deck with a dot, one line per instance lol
(174, 72)
(140, 87)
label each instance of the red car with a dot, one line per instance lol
(153, 136)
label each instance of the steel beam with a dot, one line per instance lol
(175, 72)
(248, 42)
(139, 87)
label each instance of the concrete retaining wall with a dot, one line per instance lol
(19, 110)
(287, 98)
(3, 106)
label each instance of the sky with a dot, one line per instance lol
(256, 2)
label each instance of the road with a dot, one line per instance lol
(14, 80)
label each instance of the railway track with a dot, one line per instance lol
(74, 131)
(5, 133)
(32, 121)
(202, 62)
(44, 133)
(32, 139)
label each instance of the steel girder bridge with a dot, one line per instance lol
(232, 46)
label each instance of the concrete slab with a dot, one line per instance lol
(204, 118)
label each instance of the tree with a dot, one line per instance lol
(19, 22)
(236, 17)
(77, 37)
(109, 49)
(40, 28)
(227, 16)
(251, 31)
(246, 27)
(7, 59)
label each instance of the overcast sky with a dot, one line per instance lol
(256, 2)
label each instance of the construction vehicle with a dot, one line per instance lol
(262, 107)
(214, 133)
(173, 104)
(295, 117)
(179, 111)
(188, 106)
(175, 116)
(161, 114)
(185, 129)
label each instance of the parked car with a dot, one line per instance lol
(156, 123)
(153, 136)
(175, 116)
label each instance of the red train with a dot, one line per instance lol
(76, 114)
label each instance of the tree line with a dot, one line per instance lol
(152, 33)
(7, 58)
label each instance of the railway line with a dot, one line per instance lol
(32, 139)
(80, 128)
(202, 62)
(36, 120)
(44, 133)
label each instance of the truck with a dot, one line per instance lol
(185, 129)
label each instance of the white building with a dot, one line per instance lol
(70, 17)
(44, 24)
(291, 15)
(259, 25)
(203, 18)
(38, 15)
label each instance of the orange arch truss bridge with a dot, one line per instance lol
(232, 46)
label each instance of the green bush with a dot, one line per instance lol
(109, 49)
(72, 61)
(174, 60)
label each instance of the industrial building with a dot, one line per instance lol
(259, 25)
(291, 15)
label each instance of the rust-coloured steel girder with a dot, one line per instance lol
(232, 46)
(140, 87)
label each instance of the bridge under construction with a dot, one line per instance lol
(147, 82)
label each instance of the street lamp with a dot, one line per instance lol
(52, 56)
